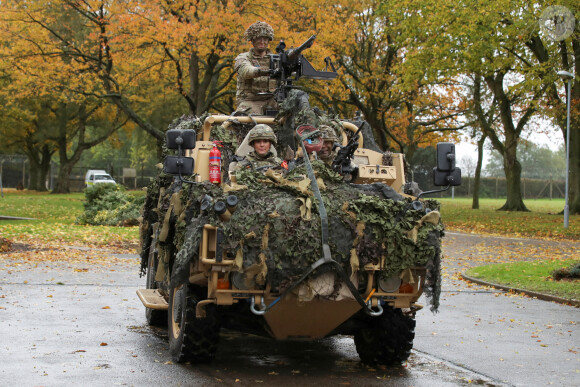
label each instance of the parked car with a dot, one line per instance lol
(97, 176)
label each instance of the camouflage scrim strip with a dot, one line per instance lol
(259, 29)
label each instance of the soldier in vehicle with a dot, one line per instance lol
(262, 138)
(327, 152)
(255, 88)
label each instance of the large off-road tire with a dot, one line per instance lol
(191, 339)
(154, 316)
(386, 339)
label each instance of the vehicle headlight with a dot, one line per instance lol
(390, 284)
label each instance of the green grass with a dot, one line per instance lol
(42, 206)
(55, 217)
(543, 220)
(534, 276)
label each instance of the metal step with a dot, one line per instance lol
(152, 299)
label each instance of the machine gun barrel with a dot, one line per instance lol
(295, 52)
(288, 66)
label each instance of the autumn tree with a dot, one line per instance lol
(43, 72)
(189, 46)
(23, 130)
(405, 109)
(195, 42)
(553, 53)
(501, 43)
(539, 162)
(474, 38)
(478, 168)
(23, 126)
(85, 53)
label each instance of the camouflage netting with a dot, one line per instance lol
(259, 29)
(275, 232)
(274, 235)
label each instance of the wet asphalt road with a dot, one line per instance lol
(63, 326)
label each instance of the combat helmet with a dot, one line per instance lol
(259, 29)
(261, 132)
(328, 133)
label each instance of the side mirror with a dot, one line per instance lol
(441, 178)
(446, 174)
(178, 165)
(180, 139)
(445, 156)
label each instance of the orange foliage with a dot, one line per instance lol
(139, 49)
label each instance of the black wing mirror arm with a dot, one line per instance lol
(434, 191)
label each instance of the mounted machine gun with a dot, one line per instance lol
(290, 65)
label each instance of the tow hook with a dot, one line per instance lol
(372, 312)
(262, 311)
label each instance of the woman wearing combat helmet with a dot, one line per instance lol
(261, 138)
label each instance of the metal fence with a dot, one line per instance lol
(495, 187)
(15, 173)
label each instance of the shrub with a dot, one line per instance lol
(110, 205)
(572, 272)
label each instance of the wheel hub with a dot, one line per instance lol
(177, 309)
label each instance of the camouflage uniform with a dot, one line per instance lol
(250, 83)
(328, 134)
(254, 160)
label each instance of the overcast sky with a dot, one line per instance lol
(553, 140)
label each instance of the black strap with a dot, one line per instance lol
(326, 255)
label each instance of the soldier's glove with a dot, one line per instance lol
(263, 72)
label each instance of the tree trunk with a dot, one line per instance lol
(368, 136)
(64, 167)
(513, 173)
(39, 167)
(43, 175)
(81, 139)
(62, 183)
(66, 163)
(33, 181)
(476, 182)
(570, 61)
(511, 134)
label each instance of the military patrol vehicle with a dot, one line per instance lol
(305, 252)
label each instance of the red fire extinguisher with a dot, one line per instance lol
(215, 164)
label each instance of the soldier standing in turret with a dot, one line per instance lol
(255, 88)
